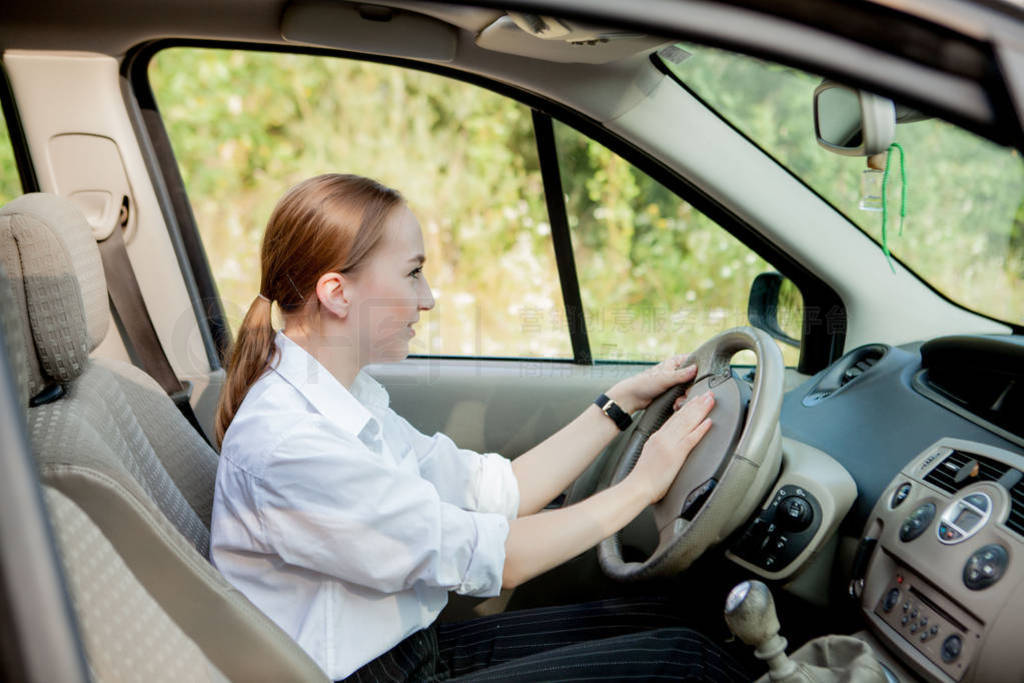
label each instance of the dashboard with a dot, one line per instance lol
(931, 437)
(945, 583)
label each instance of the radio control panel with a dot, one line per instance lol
(910, 607)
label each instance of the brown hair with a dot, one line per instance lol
(330, 223)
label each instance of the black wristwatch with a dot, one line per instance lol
(610, 408)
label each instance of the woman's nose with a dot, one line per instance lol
(426, 301)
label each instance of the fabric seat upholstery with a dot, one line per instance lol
(127, 636)
(117, 446)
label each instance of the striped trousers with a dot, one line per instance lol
(617, 639)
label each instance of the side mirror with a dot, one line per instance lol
(768, 293)
(852, 122)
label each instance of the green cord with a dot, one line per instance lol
(885, 205)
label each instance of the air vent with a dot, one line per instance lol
(844, 371)
(851, 373)
(961, 469)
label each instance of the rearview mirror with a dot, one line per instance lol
(852, 122)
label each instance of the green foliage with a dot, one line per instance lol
(657, 276)
(962, 232)
(10, 181)
(246, 126)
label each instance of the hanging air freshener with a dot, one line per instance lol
(871, 185)
(885, 205)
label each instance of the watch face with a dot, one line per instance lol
(736, 596)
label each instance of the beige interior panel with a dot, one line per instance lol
(88, 170)
(359, 28)
(65, 94)
(505, 406)
(929, 575)
(500, 406)
(834, 488)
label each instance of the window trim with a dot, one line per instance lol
(561, 239)
(16, 133)
(820, 344)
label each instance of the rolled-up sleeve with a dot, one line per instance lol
(483, 482)
(331, 504)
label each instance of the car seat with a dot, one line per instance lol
(127, 636)
(107, 437)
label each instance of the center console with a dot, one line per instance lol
(944, 586)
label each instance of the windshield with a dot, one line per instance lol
(964, 226)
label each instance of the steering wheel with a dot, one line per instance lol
(729, 472)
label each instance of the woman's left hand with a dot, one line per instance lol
(636, 392)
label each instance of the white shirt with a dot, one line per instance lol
(345, 524)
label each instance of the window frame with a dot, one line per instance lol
(820, 343)
(16, 133)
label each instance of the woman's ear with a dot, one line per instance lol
(332, 292)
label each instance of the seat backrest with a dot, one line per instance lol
(108, 438)
(126, 634)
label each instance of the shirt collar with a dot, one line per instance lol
(349, 409)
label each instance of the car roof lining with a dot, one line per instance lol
(790, 33)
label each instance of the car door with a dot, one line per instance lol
(545, 248)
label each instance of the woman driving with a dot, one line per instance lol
(349, 527)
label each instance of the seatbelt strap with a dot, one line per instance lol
(126, 298)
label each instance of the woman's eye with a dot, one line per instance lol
(416, 273)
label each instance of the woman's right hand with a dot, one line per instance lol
(541, 541)
(667, 449)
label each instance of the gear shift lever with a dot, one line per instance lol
(750, 614)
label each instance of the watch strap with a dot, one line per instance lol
(610, 408)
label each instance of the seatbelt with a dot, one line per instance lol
(126, 298)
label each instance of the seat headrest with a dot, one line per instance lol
(46, 245)
(14, 338)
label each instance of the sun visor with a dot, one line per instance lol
(559, 40)
(368, 28)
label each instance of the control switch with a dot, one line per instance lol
(951, 648)
(915, 525)
(985, 566)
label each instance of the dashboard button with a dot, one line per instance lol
(985, 566)
(915, 524)
(891, 598)
(795, 513)
(948, 533)
(900, 495)
(978, 500)
(951, 647)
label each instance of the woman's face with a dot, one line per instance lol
(390, 291)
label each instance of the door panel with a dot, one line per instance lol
(501, 406)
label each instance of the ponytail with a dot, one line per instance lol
(250, 356)
(330, 223)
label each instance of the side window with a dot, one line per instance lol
(656, 276)
(10, 181)
(245, 126)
